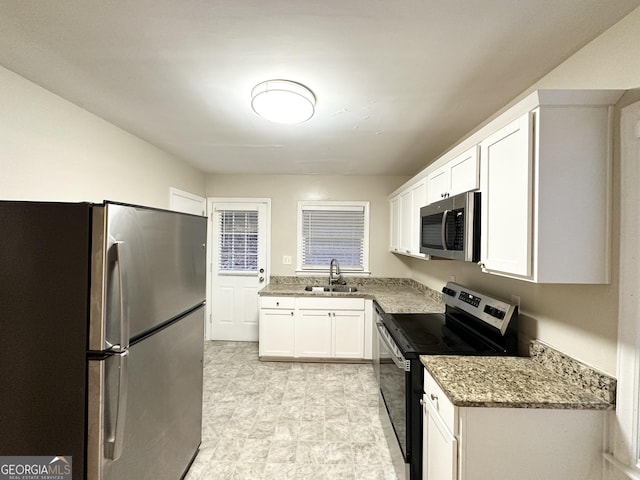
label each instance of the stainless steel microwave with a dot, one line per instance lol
(450, 228)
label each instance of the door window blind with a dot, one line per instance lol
(333, 232)
(238, 241)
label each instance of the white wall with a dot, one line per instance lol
(51, 149)
(286, 190)
(578, 320)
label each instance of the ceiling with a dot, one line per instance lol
(397, 81)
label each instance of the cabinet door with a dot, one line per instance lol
(348, 334)
(464, 172)
(418, 200)
(394, 222)
(439, 446)
(276, 333)
(406, 225)
(438, 184)
(313, 334)
(507, 199)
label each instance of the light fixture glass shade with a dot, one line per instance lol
(283, 101)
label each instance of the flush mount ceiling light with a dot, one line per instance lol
(283, 101)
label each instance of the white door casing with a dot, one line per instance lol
(624, 451)
(232, 293)
(185, 202)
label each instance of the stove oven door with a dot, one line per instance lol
(394, 385)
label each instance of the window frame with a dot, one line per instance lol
(330, 205)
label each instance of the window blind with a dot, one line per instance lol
(333, 232)
(238, 241)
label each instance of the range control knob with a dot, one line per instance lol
(494, 312)
(449, 291)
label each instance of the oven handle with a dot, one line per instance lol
(397, 358)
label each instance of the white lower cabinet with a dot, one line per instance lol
(276, 327)
(313, 334)
(480, 443)
(319, 328)
(440, 447)
(348, 334)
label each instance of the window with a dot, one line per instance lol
(329, 230)
(238, 241)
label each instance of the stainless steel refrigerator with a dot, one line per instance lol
(102, 319)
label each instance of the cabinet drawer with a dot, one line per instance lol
(278, 302)
(308, 303)
(442, 404)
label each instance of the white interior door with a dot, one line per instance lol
(186, 202)
(238, 267)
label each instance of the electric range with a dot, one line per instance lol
(473, 324)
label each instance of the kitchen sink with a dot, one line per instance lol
(344, 288)
(331, 288)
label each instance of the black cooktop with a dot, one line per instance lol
(435, 334)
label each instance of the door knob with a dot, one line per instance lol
(261, 279)
(261, 270)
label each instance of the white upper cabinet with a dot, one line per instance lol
(438, 184)
(405, 219)
(543, 168)
(394, 223)
(457, 176)
(418, 200)
(546, 196)
(507, 202)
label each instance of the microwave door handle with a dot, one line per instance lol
(443, 229)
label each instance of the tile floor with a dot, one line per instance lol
(287, 420)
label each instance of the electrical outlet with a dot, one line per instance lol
(515, 300)
(286, 260)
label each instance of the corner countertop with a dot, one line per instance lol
(394, 295)
(507, 382)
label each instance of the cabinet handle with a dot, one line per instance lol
(292, 314)
(277, 304)
(434, 397)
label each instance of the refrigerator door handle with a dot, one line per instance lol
(113, 444)
(124, 313)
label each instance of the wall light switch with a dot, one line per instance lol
(286, 260)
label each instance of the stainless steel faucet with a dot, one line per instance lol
(334, 264)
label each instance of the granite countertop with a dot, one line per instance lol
(547, 379)
(394, 295)
(508, 382)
